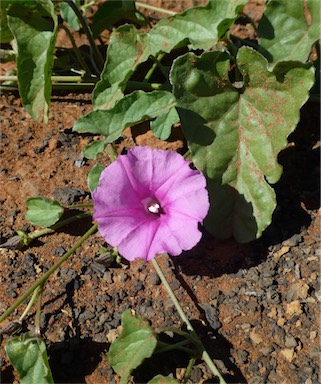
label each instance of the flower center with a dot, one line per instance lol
(153, 206)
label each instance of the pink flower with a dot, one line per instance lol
(150, 201)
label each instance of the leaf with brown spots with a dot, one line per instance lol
(235, 132)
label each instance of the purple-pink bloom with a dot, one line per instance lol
(149, 202)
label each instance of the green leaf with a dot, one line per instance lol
(43, 212)
(288, 29)
(94, 175)
(28, 356)
(5, 33)
(235, 132)
(162, 125)
(34, 26)
(202, 27)
(132, 109)
(127, 49)
(110, 12)
(94, 149)
(160, 379)
(68, 14)
(136, 342)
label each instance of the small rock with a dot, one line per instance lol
(293, 241)
(290, 341)
(313, 335)
(297, 290)
(288, 353)
(293, 308)
(266, 351)
(68, 195)
(257, 339)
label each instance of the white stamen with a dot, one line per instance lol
(154, 208)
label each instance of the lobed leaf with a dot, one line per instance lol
(43, 212)
(288, 29)
(94, 175)
(136, 342)
(28, 356)
(34, 26)
(235, 132)
(127, 49)
(202, 27)
(132, 109)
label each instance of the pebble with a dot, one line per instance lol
(68, 195)
(290, 341)
(293, 241)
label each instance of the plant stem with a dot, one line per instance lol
(38, 312)
(45, 231)
(154, 66)
(98, 56)
(205, 356)
(76, 49)
(30, 304)
(152, 8)
(44, 278)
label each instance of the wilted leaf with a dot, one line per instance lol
(127, 49)
(202, 27)
(235, 132)
(136, 343)
(132, 109)
(43, 212)
(29, 357)
(34, 26)
(162, 125)
(94, 175)
(113, 11)
(288, 29)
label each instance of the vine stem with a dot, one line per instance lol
(205, 356)
(50, 271)
(152, 8)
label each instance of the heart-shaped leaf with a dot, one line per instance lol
(43, 212)
(29, 357)
(235, 132)
(136, 342)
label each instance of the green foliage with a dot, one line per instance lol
(5, 33)
(29, 357)
(160, 379)
(235, 132)
(112, 11)
(127, 49)
(136, 342)
(68, 14)
(94, 148)
(162, 125)
(43, 212)
(34, 26)
(94, 175)
(132, 109)
(288, 29)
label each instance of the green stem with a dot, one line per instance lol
(46, 231)
(44, 278)
(38, 313)
(76, 49)
(30, 304)
(164, 347)
(205, 356)
(154, 66)
(112, 152)
(189, 368)
(152, 8)
(97, 54)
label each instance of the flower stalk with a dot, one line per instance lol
(205, 356)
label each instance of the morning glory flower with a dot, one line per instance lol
(149, 202)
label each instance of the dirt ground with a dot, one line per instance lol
(256, 306)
